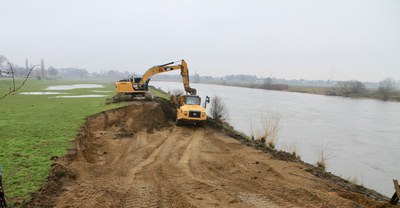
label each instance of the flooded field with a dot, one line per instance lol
(42, 93)
(80, 96)
(360, 137)
(74, 86)
(71, 87)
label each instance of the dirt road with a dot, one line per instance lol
(136, 157)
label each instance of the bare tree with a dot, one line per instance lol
(357, 87)
(14, 88)
(53, 72)
(343, 88)
(350, 88)
(386, 87)
(26, 64)
(267, 83)
(42, 67)
(218, 110)
(3, 59)
(195, 78)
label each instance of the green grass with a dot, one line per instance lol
(159, 93)
(35, 127)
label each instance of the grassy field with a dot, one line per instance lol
(35, 127)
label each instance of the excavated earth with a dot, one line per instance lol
(136, 157)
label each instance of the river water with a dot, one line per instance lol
(359, 137)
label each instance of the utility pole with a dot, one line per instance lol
(2, 195)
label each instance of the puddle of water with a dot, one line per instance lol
(101, 91)
(74, 86)
(80, 96)
(42, 93)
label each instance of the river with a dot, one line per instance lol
(360, 138)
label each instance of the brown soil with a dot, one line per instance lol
(136, 157)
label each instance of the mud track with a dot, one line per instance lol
(136, 157)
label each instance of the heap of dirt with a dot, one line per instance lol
(135, 157)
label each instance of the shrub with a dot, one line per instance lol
(323, 156)
(270, 129)
(218, 110)
(268, 134)
(292, 149)
(321, 163)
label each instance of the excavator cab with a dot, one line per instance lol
(137, 87)
(186, 100)
(193, 100)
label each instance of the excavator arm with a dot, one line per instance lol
(169, 67)
(185, 78)
(157, 70)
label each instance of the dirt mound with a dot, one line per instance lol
(102, 129)
(96, 139)
(135, 157)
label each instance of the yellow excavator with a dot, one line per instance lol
(189, 109)
(138, 87)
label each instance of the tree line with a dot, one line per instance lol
(43, 72)
(355, 88)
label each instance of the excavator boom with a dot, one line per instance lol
(140, 86)
(157, 70)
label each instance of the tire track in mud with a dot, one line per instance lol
(152, 185)
(144, 193)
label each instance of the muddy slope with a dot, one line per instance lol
(135, 157)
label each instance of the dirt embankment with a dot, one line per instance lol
(136, 157)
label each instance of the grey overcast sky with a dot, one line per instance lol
(309, 39)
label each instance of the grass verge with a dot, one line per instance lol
(159, 93)
(33, 128)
